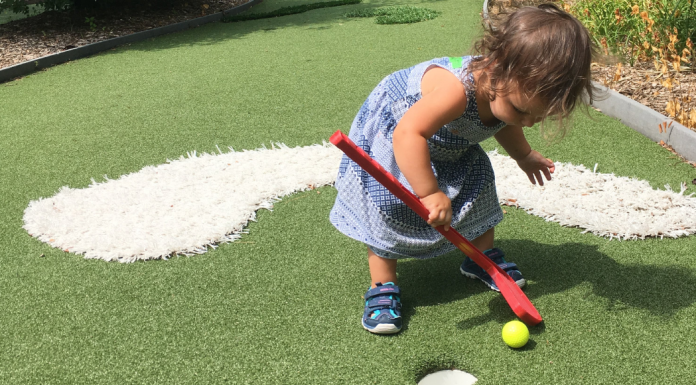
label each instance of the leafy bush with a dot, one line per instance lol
(396, 15)
(659, 30)
(21, 6)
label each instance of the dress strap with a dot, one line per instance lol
(456, 62)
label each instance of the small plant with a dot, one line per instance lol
(396, 15)
(680, 108)
(91, 22)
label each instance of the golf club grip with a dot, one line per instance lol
(517, 300)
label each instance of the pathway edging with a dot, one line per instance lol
(23, 69)
(647, 121)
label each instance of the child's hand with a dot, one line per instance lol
(440, 208)
(534, 164)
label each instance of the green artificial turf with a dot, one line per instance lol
(283, 304)
(291, 10)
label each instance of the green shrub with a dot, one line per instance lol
(21, 6)
(396, 15)
(405, 15)
(658, 30)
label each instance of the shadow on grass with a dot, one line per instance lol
(660, 290)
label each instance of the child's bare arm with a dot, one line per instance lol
(443, 100)
(513, 141)
(531, 162)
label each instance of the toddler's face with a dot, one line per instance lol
(517, 109)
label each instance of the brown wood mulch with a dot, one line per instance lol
(644, 84)
(55, 31)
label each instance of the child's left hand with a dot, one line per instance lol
(534, 164)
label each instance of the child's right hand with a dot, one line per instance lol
(534, 164)
(440, 208)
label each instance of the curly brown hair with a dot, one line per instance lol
(540, 51)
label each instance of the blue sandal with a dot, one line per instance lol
(382, 309)
(470, 269)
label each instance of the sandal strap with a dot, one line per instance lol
(496, 254)
(498, 257)
(507, 266)
(382, 290)
(383, 303)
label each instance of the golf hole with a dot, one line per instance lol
(448, 377)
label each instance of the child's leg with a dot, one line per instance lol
(382, 314)
(485, 240)
(381, 269)
(485, 243)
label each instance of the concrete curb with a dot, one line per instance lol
(647, 121)
(641, 118)
(28, 67)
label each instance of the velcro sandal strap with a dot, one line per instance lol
(383, 303)
(495, 253)
(507, 266)
(382, 290)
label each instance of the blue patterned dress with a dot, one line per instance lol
(366, 211)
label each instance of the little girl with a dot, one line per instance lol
(423, 124)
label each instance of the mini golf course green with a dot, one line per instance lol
(282, 305)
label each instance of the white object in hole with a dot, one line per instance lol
(448, 377)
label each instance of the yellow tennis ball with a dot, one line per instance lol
(515, 334)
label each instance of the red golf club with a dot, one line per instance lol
(512, 293)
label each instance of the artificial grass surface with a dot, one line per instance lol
(283, 304)
(291, 10)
